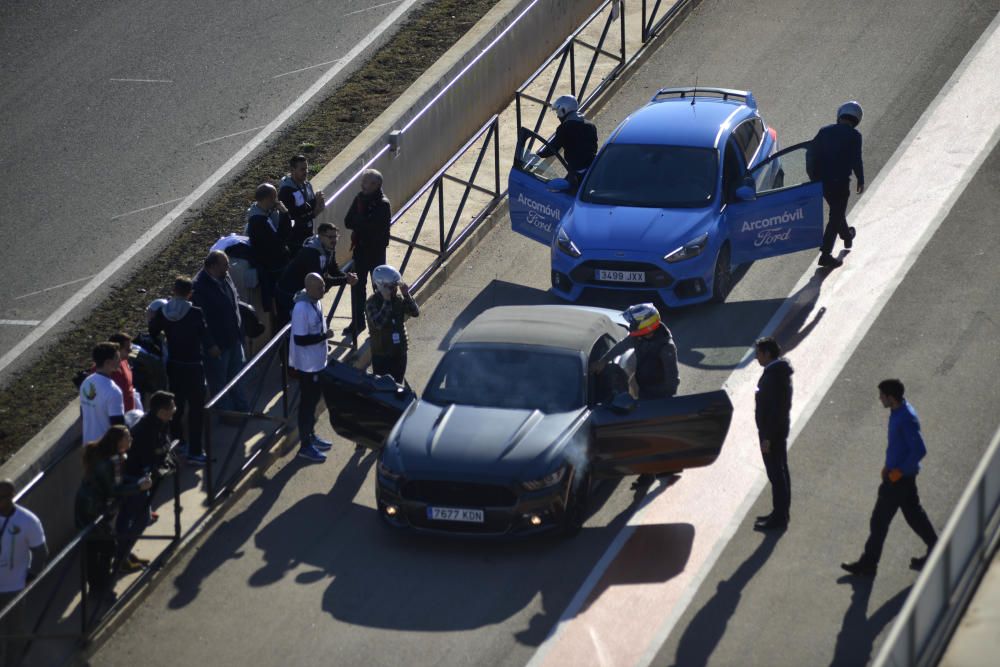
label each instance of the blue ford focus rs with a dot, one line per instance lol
(685, 189)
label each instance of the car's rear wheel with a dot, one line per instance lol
(576, 507)
(722, 278)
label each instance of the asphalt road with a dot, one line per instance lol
(114, 107)
(301, 572)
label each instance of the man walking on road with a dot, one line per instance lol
(773, 406)
(832, 156)
(898, 490)
(215, 293)
(303, 204)
(368, 219)
(22, 555)
(307, 355)
(387, 310)
(101, 400)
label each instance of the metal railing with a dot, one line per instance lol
(653, 21)
(949, 579)
(46, 592)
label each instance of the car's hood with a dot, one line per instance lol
(627, 228)
(458, 441)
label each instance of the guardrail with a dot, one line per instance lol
(963, 553)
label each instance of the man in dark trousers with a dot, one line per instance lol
(307, 354)
(833, 155)
(773, 406)
(368, 219)
(576, 137)
(898, 490)
(268, 228)
(318, 255)
(215, 293)
(387, 310)
(187, 338)
(303, 204)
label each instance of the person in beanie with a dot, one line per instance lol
(773, 408)
(368, 219)
(387, 311)
(303, 204)
(268, 228)
(307, 355)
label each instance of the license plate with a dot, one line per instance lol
(621, 276)
(455, 514)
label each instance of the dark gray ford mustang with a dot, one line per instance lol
(517, 421)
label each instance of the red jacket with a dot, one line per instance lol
(123, 378)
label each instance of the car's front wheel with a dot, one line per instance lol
(722, 278)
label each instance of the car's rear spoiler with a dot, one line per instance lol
(744, 96)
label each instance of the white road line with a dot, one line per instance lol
(49, 289)
(20, 323)
(122, 260)
(142, 80)
(147, 208)
(227, 136)
(303, 69)
(368, 9)
(898, 216)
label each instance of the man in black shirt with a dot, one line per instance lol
(368, 219)
(269, 227)
(317, 256)
(773, 406)
(303, 204)
(576, 137)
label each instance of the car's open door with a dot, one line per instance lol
(537, 203)
(778, 211)
(663, 435)
(363, 408)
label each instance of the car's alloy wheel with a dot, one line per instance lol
(723, 276)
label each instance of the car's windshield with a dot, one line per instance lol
(519, 378)
(652, 176)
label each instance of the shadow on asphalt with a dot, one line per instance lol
(706, 629)
(860, 629)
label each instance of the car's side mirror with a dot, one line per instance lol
(746, 192)
(623, 403)
(559, 185)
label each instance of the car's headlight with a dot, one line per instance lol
(387, 472)
(688, 250)
(549, 480)
(565, 244)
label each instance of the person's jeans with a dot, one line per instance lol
(187, 382)
(133, 517)
(776, 465)
(13, 624)
(836, 198)
(310, 391)
(394, 365)
(220, 370)
(901, 495)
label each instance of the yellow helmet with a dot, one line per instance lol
(642, 318)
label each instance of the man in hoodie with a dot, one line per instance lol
(215, 293)
(318, 255)
(898, 490)
(268, 228)
(773, 406)
(368, 219)
(576, 137)
(303, 204)
(187, 336)
(307, 355)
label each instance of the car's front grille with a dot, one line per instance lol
(458, 494)
(586, 273)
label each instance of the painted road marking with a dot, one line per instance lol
(49, 289)
(141, 80)
(99, 279)
(368, 9)
(303, 69)
(627, 624)
(20, 323)
(227, 136)
(147, 208)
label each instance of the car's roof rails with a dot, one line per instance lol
(744, 96)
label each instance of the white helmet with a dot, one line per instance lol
(384, 278)
(851, 109)
(565, 105)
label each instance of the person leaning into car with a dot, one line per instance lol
(772, 409)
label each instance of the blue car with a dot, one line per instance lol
(685, 189)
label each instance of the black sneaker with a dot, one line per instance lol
(828, 260)
(763, 517)
(849, 241)
(773, 522)
(859, 568)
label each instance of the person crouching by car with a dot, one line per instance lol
(307, 355)
(387, 311)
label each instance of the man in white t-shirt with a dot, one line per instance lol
(101, 401)
(307, 355)
(22, 549)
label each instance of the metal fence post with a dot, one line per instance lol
(496, 153)
(177, 505)
(84, 594)
(209, 486)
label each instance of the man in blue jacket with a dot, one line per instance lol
(215, 293)
(898, 490)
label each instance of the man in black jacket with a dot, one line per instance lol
(368, 219)
(576, 137)
(303, 204)
(187, 336)
(318, 256)
(268, 227)
(773, 414)
(215, 293)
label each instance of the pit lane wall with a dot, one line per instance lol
(436, 115)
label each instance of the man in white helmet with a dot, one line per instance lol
(576, 137)
(387, 311)
(833, 155)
